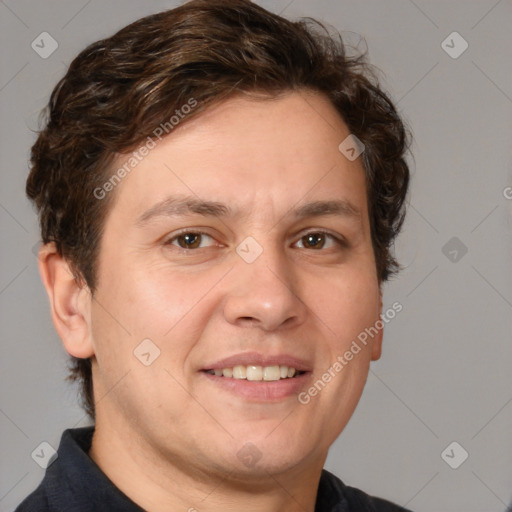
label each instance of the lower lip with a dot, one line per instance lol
(262, 391)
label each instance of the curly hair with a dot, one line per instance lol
(119, 89)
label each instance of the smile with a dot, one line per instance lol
(256, 373)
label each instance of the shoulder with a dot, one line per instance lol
(70, 462)
(334, 495)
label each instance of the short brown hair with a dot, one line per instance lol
(119, 89)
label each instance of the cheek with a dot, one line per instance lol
(162, 306)
(345, 303)
(169, 304)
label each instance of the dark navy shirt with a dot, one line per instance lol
(75, 483)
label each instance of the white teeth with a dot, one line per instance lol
(271, 373)
(256, 373)
(239, 372)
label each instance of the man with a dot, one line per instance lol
(218, 190)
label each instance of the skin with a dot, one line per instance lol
(165, 435)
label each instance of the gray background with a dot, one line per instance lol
(445, 372)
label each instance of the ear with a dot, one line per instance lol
(70, 302)
(377, 340)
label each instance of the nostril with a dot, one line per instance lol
(248, 320)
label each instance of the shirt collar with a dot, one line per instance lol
(75, 482)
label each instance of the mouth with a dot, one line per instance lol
(259, 378)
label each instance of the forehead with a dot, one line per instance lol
(245, 151)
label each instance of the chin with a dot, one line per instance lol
(266, 452)
(264, 470)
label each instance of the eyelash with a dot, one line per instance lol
(186, 232)
(339, 240)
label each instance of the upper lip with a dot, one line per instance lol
(258, 359)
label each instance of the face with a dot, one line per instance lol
(239, 246)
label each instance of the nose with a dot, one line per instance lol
(265, 293)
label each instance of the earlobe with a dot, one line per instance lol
(377, 346)
(70, 302)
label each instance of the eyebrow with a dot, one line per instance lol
(340, 207)
(174, 206)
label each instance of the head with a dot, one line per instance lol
(220, 120)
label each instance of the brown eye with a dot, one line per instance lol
(320, 240)
(189, 240)
(313, 240)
